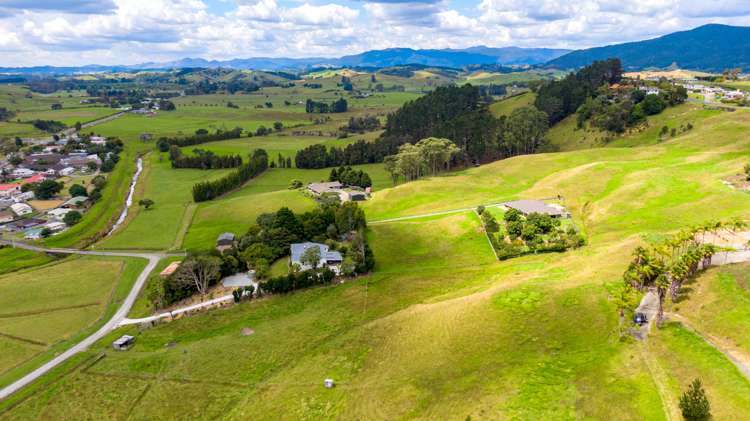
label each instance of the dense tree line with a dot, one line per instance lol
(562, 98)
(209, 190)
(350, 177)
(201, 136)
(298, 280)
(204, 160)
(428, 156)
(361, 124)
(338, 106)
(49, 126)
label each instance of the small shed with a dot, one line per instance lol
(123, 343)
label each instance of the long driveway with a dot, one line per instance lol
(113, 323)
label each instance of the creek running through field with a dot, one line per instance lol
(129, 200)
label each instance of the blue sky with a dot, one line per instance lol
(76, 32)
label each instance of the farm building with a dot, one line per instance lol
(123, 343)
(225, 242)
(328, 258)
(527, 207)
(327, 187)
(58, 213)
(354, 196)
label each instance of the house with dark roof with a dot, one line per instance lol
(225, 241)
(328, 258)
(527, 207)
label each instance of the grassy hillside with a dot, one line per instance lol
(441, 329)
(506, 106)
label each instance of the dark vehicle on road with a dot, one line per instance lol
(640, 318)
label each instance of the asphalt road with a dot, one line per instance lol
(113, 323)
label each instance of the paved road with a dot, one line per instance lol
(173, 313)
(113, 323)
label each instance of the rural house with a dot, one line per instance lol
(327, 187)
(21, 209)
(328, 258)
(7, 190)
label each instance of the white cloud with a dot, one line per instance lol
(130, 31)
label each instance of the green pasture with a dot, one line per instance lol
(506, 106)
(717, 303)
(45, 309)
(12, 259)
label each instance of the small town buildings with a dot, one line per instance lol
(23, 197)
(55, 226)
(24, 224)
(7, 190)
(22, 172)
(77, 202)
(651, 90)
(66, 171)
(36, 178)
(123, 343)
(6, 216)
(225, 242)
(527, 207)
(98, 140)
(327, 187)
(328, 258)
(58, 213)
(21, 209)
(169, 270)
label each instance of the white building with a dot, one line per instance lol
(55, 226)
(58, 213)
(21, 209)
(22, 173)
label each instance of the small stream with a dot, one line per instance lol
(129, 200)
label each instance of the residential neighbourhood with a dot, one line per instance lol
(57, 164)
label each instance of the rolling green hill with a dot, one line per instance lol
(441, 329)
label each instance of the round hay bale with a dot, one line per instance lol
(246, 331)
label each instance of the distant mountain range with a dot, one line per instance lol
(710, 48)
(376, 58)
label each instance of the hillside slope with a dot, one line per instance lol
(710, 47)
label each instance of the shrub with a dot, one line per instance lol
(71, 218)
(694, 403)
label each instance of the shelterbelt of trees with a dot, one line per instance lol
(209, 190)
(456, 113)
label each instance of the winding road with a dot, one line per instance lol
(111, 324)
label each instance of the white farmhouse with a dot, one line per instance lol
(21, 209)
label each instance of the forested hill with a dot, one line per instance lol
(710, 48)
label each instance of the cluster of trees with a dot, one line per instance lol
(361, 124)
(428, 156)
(196, 274)
(450, 112)
(338, 106)
(535, 233)
(71, 218)
(282, 162)
(615, 111)
(561, 98)
(273, 233)
(6, 114)
(669, 263)
(201, 136)
(209, 190)
(202, 159)
(49, 126)
(43, 190)
(350, 177)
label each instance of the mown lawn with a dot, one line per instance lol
(506, 106)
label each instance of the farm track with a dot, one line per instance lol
(111, 324)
